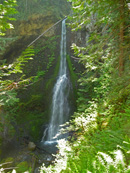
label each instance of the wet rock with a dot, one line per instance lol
(26, 139)
(31, 146)
(37, 170)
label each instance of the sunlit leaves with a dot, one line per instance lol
(8, 98)
(6, 10)
(7, 95)
(17, 66)
(60, 160)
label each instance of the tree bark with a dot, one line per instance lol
(121, 56)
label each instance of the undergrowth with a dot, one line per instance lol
(100, 129)
(92, 149)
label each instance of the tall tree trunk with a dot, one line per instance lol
(121, 56)
(26, 5)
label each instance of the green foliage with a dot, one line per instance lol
(102, 162)
(49, 83)
(4, 42)
(27, 8)
(48, 44)
(20, 62)
(6, 164)
(39, 75)
(7, 93)
(17, 65)
(100, 140)
(51, 59)
(101, 52)
(8, 98)
(31, 120)
(23, 167)
(6, 10)
(44, 50)
(9, 83)
(73, 75)
(33, 101)
(94, 150)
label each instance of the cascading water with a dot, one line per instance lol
(60, 107)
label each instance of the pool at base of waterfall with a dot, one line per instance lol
(50, 142)
(49, 146)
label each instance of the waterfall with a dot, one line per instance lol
(60, 106)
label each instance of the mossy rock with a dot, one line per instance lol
(22, 167)
(9, 161)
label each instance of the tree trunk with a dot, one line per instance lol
(26, 5)
(121, 56)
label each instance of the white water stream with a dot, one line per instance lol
(60, 107)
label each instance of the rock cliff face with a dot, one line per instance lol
(33, 110)
(32, 113)
(32, 19)
(34, 106)
(36, 24)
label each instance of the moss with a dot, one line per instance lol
(30, 116)
(34, 100)
(9, 159)
(35, 125)
(35, 110)
(22, 167)
(49, 83)
(31, 122)
(73, 75)
(9, 162)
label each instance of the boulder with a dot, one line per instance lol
(31, 146)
